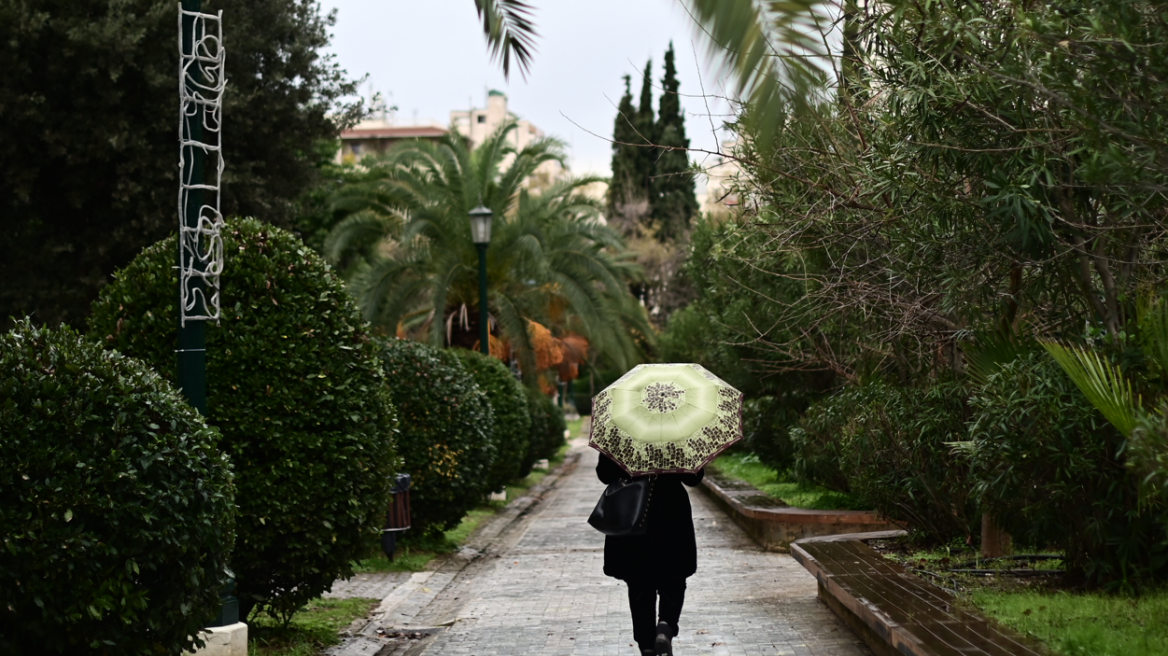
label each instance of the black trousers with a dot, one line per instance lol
(643, 595)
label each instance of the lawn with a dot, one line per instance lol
(1083, 624)
(746, 467)
(1069, 622)
(311, 630)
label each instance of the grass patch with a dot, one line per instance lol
(311, 630)
(1089, 624)
(574, 426)
(746, 467)
(1069, 622)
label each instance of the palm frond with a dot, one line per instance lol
(510, 32)
(1101, 382)
(770, 49)
(359, 232)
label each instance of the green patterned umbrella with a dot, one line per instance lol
(666, 418)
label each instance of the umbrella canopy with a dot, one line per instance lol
(666, 418)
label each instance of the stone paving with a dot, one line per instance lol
(545, 592)
(370, 585)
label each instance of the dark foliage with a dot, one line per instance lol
(88, 145)
(897, 457)
(672, 186)
(624, 187)
(1051, 470)
(294, 386)
(547, 429)
(512, 427)
(817, 442)
(766, 427)
(446, 428)
(646, 133)
(116, 508)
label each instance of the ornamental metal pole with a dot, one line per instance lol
(484, 327)
(192, 335)
(200, 244)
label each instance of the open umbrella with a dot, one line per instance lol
(666, 418)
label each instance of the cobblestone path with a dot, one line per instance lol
(545, 592)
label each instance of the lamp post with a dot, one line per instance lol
(480, 232)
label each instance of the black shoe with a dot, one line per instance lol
(664, 644)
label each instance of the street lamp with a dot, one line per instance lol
(480, 233)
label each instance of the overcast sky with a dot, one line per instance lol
(429, 57)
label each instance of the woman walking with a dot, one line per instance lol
(655, 565)
(660, 423)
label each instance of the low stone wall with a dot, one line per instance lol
(775, 525)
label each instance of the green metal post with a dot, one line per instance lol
(484, 327)
(191, 354)
(192, 335)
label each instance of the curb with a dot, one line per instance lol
(775, 529)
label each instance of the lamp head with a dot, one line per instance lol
(480, 225)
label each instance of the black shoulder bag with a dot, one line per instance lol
(623, 509)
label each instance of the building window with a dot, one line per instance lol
(356, 149)
(482, 118)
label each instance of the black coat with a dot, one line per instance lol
(668, 549)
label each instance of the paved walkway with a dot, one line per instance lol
(536, 587)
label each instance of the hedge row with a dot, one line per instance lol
(122, 511)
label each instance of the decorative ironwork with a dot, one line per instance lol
(201, 84)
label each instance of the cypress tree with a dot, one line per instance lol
(646, 133)
(625, 184)
(672, 196)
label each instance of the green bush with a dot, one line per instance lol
(1050, 468)
(547, 428)
(816, 442)
(446, 432)
(766, 429)
(512, 428)
(295, 389)
(896, 456)
(116, 506)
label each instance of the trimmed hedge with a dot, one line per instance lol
(547, 428)
(446, 427)
(116, 513)
(294, 386)
(1051, 469)
(512, 427)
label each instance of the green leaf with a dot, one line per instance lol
(1102, 382)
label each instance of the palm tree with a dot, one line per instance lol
(406, 249)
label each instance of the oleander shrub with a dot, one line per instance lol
(766, 430)
(295, 388)
(512, 427)
(116, 506)
(897, 456)
(817, 440)
(1051, 470)
(446, 427)
(547, 428)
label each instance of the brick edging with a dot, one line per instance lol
(776, 528)
(886, 636)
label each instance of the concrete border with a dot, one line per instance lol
(775, 529)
